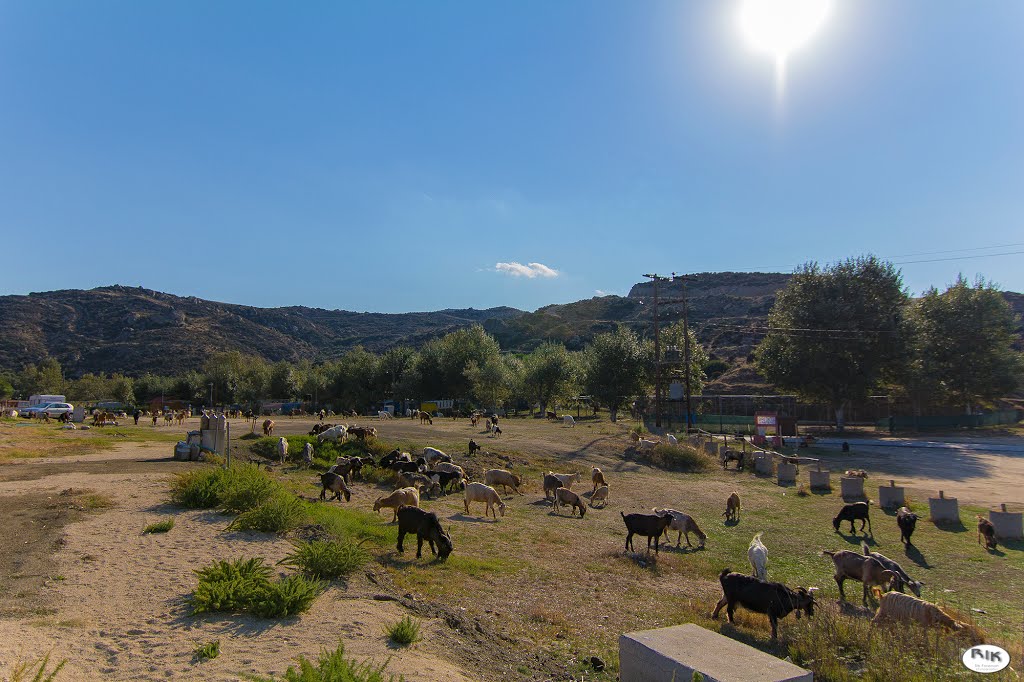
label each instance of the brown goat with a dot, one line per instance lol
(986, 529)
(860, 567)
(732, 508)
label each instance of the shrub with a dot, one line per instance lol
(159, 526)
(199, 488)
(208, 651)
(281, 512)
(676, 458)
(286, 597)
(333, 666)
(245, 585)
(378, 476)
(404, 632)
(326, 560)
(246, 487)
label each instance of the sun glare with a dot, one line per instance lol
(781, 27)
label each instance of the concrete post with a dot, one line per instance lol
(1009, 525)
(820, 480)
(852, 487)
(786, 473)
(763, 464)
(891, 496)
(944, 508)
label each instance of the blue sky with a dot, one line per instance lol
(389, 156)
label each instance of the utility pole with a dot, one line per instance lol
(655, 278)
(686, 344)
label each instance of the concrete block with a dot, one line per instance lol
(786, 473)
(763, 464)
(944, 508)
(852, 487)
(821, 480)
(891, 496)
(675, 653)
(1009, 525)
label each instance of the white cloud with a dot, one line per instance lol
(530, 270)
(601, 292)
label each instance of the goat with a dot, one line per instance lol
(473, 447)
(600, 495)
(645, 445)
(672, 440)
(551, 483)
(444, 479)
(381, 415)
(362, 432)
(506, 479)
(860, 567)
(479, 492)
(757, 554)
(567, 420)
(729, 455)
(597, 478)
(857, 511)
(307, 454)
(424, 417)
(985, 528)
(648, 525)
(902, 579)
(566, 496)
(907, 521)
(568, 479)
(387, 460)
(448, 466)
(425, 485)
(495, 430)
(549, 414)
(903, 608)
(268, 427)
(426, 526)
(336, 484)
(433, 456)
(401, 467)
(682, 524)
(732, 508)
(855, 473)
(775, 600)
(282, 449)
(397, 498)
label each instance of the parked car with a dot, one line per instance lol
(52, 409)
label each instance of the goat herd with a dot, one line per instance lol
(434, 473)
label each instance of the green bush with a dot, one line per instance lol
(326, 560)
(246, 487)
(333, 666)
(677, 458)
(199, 488)
(378, 476)
(245, 585)
(281, 512)
(404, 632)
(208, 651)
(159, 526)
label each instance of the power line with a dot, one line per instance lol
(980, 255)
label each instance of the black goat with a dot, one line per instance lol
(387, 460)
(406, 467)
(473, 447)
(445, 478)
(649, 525)
(425, 526)
(775, 600)
(335, 483)
(852, 512)
(907, 521)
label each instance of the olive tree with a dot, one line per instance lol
(617, 366)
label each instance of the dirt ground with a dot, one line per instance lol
(83, 582)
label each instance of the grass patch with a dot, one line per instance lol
(20, 439)
(404, 632)
(281, 512)
(37, 671)
(325, 560)
(94, 501)
(246, 487)
(347, 522)
(159, 526)
(199, 488)
(208, 651)
(676, 458)
(244, 585)
(334, 666)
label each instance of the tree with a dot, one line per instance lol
(6, 388)
(617, 368)
(673, 341)
(833, 331)
(443, 362)
(397, 372)
(46, 378)
(354, 379)
(122, 389)
(548, 372)
(284, 381)
(964, 343)
(89, 388)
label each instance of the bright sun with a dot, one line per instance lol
(780, 27)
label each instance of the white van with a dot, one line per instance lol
(34, 400)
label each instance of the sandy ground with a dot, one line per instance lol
(111, 599)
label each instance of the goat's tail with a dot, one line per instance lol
(758, 536)
(623, 516)
(864, 548)
(826, 552)
(725, 572)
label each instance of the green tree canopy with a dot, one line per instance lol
(548, 373)
(617, 368)
(833, 331)
(673, 341)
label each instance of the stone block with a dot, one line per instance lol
(821, 480)
(675, 653)
(852, 487)
(1009, 525)
(891, 496)
(786, 473)
(763, 464)
(944, 508)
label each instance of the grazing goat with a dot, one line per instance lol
(672, 440)
(860, 567)
(396, 499)
(268, 427)
(757, 554)
(683, 524)
(156, 416)
(567, 420)
(495, 430)
(448, 466)
(649, 525)
(597, 478)
(902, 579)
(362, 432)
(381, 415)
(645, 445)
(857, 511)
(401, 467)
(729, 455)
(282, 449)
(551, 483)
(775, 600)
(566, 496)
(732, 508)
(479, 492)
(600, 495)
(907, 521)
(549, 414)
(426, 526)
(985, 528)
(336, 484)
(568, 479)
(425, 485)
(473, 447)
(307, 454)
(433, 456)
(902, 608)
(506, 479)
(425, 417)
(444, 479)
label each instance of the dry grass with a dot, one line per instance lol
(22, 439)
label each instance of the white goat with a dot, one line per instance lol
(567, 420)
(757, 554)
(335, 433)
(282, 449)
(672, 440)
(479, 492)
(568, 479)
